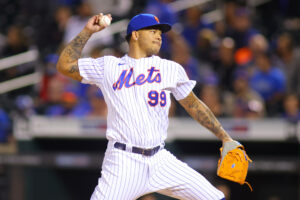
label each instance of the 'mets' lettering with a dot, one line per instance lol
(125, 77)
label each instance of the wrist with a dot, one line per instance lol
(227, 139)
(87, 31)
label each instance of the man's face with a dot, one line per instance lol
(149, 41)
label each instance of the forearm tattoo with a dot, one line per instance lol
(201, 113)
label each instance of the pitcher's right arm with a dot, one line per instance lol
(68, 61)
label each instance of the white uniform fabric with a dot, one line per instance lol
(131, 117)
(137, 94)
(127, 176)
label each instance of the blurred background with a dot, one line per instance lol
(243, 54)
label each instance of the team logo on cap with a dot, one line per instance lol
(156, 19)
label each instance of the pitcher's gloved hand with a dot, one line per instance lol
(233, 163)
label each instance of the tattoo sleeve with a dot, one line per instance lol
(201, 113)
(68, 60)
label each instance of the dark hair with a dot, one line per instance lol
(128, 37)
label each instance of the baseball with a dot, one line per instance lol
(104, 21)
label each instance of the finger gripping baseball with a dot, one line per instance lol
(234, 166)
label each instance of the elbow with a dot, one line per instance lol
(69, 69)
(61, 67)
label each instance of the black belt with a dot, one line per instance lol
(145, 152)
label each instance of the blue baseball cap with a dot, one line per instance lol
(142, 21)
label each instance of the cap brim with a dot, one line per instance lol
(163, 27)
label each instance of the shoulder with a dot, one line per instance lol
(165, 62)
(170, 67)
(110, 58)
(106, 60)
(100, 61)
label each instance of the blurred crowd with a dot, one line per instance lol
(246, 62)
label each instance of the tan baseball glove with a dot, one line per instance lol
(233, 164)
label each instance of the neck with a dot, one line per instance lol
(135, 51)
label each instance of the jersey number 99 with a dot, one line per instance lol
(155, 98)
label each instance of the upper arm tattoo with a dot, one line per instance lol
(74, 69)
(74, 72)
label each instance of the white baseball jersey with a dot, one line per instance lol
(137, 93)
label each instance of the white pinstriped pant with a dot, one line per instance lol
(127, 176)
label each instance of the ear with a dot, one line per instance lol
(135, 35)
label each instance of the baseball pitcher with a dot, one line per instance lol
(137, 90)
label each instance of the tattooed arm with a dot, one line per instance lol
(201, 113)
(68, 61)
